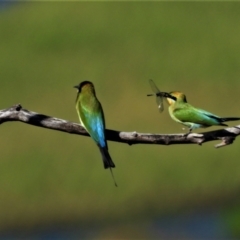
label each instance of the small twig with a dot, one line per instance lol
(17, 113)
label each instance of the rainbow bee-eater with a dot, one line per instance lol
(91, 117)
(182, 112)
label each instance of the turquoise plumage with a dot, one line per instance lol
(91, 116)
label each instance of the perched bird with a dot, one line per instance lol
(91, 117)
(181, 111)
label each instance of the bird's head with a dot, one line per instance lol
(176, 97)
(85, 86)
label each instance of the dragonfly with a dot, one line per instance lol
(159, 95)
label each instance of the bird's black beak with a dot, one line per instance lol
(76, 86)
(168, 95)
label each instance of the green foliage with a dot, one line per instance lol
(47, 48)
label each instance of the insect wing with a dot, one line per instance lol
(159, 98)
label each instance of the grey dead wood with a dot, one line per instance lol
(17, 113)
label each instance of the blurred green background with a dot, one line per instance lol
(52, 181)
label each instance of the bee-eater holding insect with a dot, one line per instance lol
(159, 95)
(91, 117)
(182, 112)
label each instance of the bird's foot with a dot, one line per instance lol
(186, 134)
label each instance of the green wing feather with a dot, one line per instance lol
(93, 121)
(198, 116)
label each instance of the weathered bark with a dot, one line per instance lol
(17, 113)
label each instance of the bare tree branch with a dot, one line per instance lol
(17, 113)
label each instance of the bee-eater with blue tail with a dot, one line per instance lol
(91, 117)
(182, 112)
